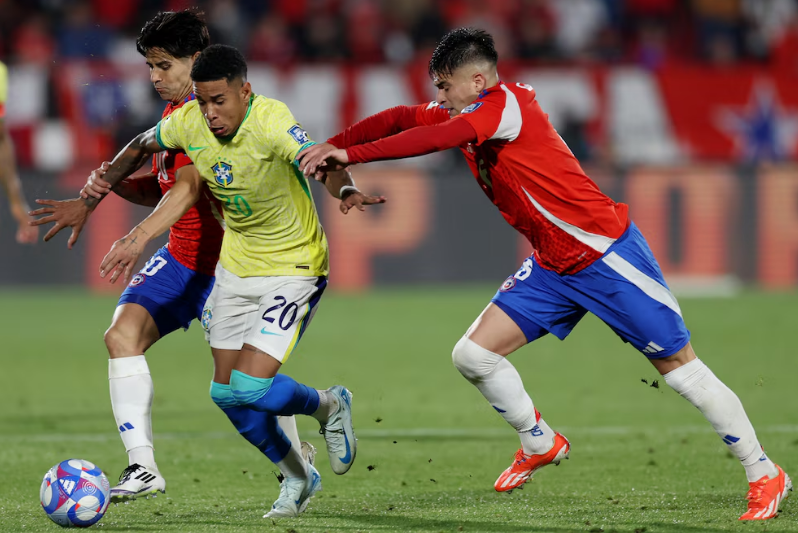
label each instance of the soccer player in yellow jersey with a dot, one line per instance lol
(273, 265)
(8, 172)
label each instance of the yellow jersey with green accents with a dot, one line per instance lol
(3, 89)
(273, 228)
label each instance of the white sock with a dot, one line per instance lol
(328, 404)
(538, 440)
(131, 400)
(288, 425)
(722, 408)
(499, 382)
(293, 465)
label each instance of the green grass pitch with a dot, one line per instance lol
(430, 447)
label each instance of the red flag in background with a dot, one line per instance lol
(741, 115)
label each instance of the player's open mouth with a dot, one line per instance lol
(217, 130)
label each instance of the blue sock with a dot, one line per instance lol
(279, 395)
(259, 428)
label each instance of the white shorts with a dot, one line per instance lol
(269, 313)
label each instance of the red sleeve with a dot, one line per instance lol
(485, 115)
(414, 142)
(389, 122)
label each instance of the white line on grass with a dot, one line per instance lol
(386, 433)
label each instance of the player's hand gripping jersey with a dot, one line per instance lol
(195, 239)
(521, 163)
(273, 227)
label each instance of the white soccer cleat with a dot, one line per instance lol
(295, 494)
(137, 481)
(339, 433)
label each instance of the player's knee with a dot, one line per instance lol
(251, 391)
(121, 343)
(473, 361)
(222, 395)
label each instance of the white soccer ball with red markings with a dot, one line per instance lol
(75, 493)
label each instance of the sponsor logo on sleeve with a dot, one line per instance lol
(473, 107)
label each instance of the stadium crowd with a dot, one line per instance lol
(645, 32)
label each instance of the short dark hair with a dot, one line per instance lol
(179, 33)
(217, 62)
(460, 47)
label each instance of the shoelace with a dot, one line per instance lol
(754, 495)
(127, 472)
(520, 456)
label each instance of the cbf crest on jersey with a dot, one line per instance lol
(299, 135)
(223, 172)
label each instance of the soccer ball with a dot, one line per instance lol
(75, 493)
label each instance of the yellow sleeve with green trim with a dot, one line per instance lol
(170, 131)
(284, 134)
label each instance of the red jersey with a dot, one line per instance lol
(196, 239)
(520, 162)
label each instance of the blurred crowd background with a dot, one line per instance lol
(685, 109)
(649, 33)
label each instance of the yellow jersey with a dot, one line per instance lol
(3, 89)
(273, 228)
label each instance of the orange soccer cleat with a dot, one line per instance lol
(525, 465)
(765, 495)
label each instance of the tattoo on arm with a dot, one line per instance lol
(134, 155)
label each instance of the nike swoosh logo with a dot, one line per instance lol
(194, 148)
(348, 457)
(267, 332)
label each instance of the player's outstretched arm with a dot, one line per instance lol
(142, 190)
(126, 251)
(9, 180)
(75, 212)
(339, 184)
(378, 126)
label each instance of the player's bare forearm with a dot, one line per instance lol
(173, 205)
(339, 184)
(129, 160)
(337, 179)
(125, 252)
(142, 190)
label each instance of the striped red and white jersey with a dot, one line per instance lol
(530, 174)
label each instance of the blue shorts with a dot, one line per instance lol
(173, 294)
(624, 288)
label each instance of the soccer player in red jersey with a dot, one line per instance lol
(588, 256)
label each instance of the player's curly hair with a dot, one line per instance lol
(217, 62)
(179, 33)
(460, 47)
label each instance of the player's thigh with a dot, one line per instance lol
(286, 308)
(495, 331)
(224, 361)
(229, 311)
(626, 289)
(132, 331)
(526, 307)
